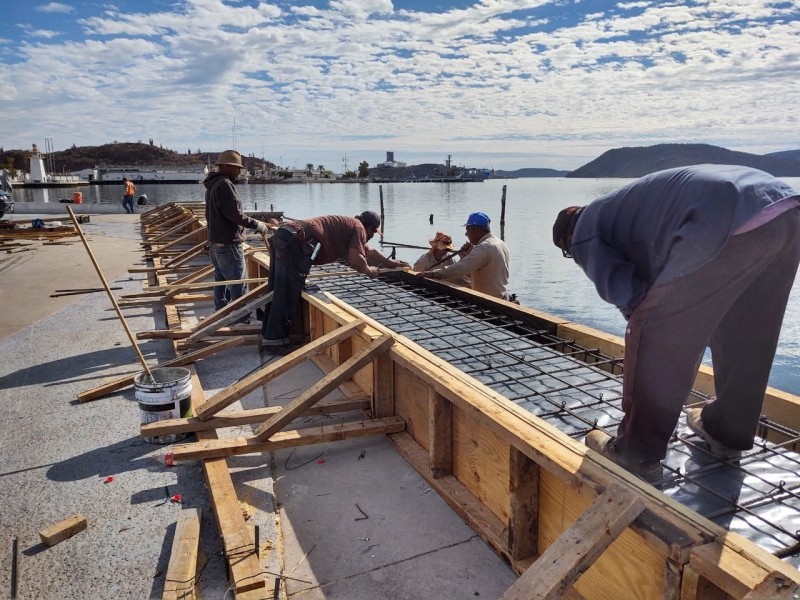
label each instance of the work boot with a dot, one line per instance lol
(694, 421)
(243, 321)
(599, 441)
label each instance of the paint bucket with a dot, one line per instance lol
(166, 396)
(77, 198)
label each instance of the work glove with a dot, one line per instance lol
(262, 228)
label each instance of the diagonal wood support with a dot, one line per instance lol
(578, 547)
(246, 385)
(240, 307)
(320, 389)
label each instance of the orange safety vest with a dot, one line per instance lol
(130, 189)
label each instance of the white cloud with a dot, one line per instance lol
(54, 7)
(355, 77)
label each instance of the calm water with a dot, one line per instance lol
(540, 276)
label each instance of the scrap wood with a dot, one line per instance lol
(236, 418)
(180, 361)
(181, 334)
(577, 548)
(182, 569)
(145, 300)
(215, 449)
(63, 530)
(247, 384)
(60, 293)
(324, 386)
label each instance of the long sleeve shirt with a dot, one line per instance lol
(224, 216)
(486, 266)
(668, 224)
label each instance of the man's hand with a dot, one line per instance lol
(400, 264)
(262, 228)
(372, 272)
(429, 274)
(464, 250)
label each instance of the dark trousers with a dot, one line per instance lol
(127, 204)
(289, 264)
(735, 304)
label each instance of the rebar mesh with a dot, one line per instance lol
(577, 389)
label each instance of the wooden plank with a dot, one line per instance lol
(240, 551)
(187, 255)
(210, 449)
(323, 387)
(205, 284)
(187, 236)
(236, 418)
(182, 334)
(523, 511)
(63, 530)
(727, 570)
(578, 547)
(123, 382)
(248, 384)
(440, 434)
(182, 569)
(383, 387)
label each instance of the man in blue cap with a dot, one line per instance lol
(484, 259)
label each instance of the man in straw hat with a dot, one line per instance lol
(297, 245)
(484, 259)
(441, 245)
(226, 224)
(696, 256)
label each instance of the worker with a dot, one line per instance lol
(226, 223)
(484, 259)
(127, 197)
(296, 245)
(696, 256)
(441, 246)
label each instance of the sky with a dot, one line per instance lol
(501, 84)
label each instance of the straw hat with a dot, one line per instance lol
(230, 157)
(441, 241)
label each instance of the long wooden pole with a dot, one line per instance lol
(110, 295)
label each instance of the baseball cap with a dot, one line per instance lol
(478, 219)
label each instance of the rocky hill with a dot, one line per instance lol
(636, 162)
(122, 154)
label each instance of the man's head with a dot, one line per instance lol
(230, 163)
(477, 226)
(563, 228)
(371, 222)
(124, 179)
(440, 244)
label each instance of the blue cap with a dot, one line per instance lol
(478, 219)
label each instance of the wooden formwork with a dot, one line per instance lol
(573, 524)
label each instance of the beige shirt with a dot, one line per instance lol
(486, 266)
(427, 260)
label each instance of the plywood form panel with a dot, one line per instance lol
(411, 403)
(480, 462)
(629, 569)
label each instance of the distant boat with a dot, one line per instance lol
(114, 175)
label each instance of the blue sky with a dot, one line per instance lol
(497, 83)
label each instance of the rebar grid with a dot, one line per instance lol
(578, 389)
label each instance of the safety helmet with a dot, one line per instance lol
(478, 219)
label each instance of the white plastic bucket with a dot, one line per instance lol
(165, 396)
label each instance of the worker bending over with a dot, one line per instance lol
(693, 257)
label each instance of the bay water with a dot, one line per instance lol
(540, 276)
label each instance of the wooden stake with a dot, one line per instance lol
(108, 291)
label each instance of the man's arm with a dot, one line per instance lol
(378, 259)
(230, 207)
(614, 276)
(477, 257)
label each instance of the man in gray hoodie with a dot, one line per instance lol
(696, 256)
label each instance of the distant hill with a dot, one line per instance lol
(529, 172)
(124, 154)
(787, 154)
(636, 162)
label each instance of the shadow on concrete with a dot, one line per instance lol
(76, 368)
(125, 455)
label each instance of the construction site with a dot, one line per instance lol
(420, 440)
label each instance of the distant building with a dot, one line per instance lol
(391, 162)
